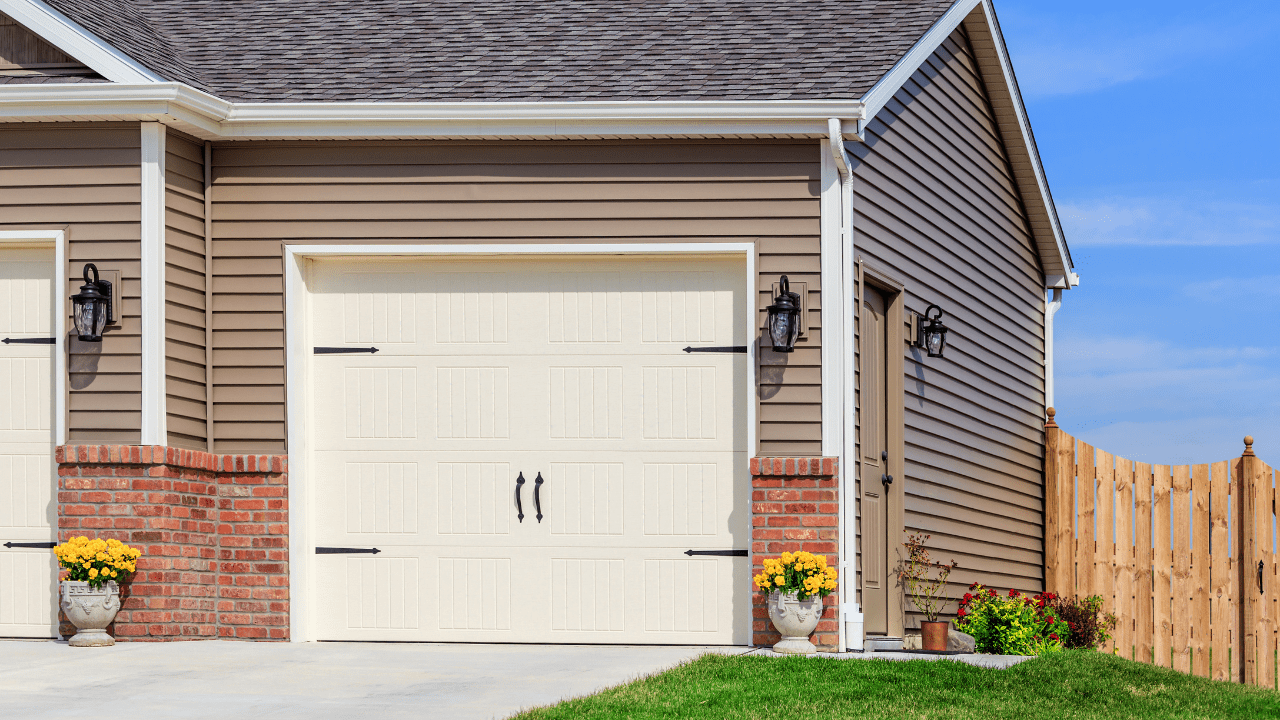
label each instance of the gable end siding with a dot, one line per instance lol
(936, 206)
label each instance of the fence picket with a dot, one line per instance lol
(1184, 581)
(1220, 572)
(1162, 564)
(1122, 569)
(1143, 595)
(1261, 553)
(1105, 553)
(1202, 564)
(1086, 545)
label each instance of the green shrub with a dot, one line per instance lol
(1011, 625)
(1089, 626)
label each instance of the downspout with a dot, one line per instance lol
(1050, 309)
(851, 625)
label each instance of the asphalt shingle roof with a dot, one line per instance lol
(515, 50)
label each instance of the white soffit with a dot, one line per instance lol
(71, 38)
(979, 18)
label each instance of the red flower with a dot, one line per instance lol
(992, 593)
(1013, 593)
(961, 612)
(1053, 636)
(968, 597)
(974, 585)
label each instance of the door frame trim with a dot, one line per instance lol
(297, 313)
(895, 293)
(57, 241)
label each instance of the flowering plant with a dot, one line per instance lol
(925, 591)
(802, 573)
(96, 561)
(1090, 625)
(1011, 625)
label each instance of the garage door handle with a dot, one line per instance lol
(537, 501)
(519, 508)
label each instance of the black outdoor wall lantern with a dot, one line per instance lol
(91, 307)
(784, 318)
(931, 333)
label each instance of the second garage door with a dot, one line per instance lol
(556, 389)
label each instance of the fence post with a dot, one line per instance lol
(1053, 564)
(1248, 565)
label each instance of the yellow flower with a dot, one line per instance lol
(93, 573)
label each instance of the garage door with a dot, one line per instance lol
(27, 577)
(530, 450)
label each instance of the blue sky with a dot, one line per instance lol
(1157, 123)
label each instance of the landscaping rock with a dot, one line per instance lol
(962, 642)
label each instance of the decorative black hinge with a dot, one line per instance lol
(341, 350)
(345, 551)
(46, 545)
(729, 349)
(721, 553)
(30, 341)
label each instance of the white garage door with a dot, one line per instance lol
(568, 374)
(27, 577)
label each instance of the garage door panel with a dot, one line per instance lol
(567, 371)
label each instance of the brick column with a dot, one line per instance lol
(795, 505)
(213, 530)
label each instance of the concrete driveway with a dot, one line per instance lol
(232, 680)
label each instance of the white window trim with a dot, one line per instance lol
(302, 616)
(154, 418)
(73, 39)
(57, 240)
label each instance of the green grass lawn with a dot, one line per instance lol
(1076, 684)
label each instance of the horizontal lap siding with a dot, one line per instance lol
(936, 206)
(86, 179)
(184, 292)
(267, 194)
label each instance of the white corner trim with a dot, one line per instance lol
(878, 96)
(154, 431)
(1051, 309)
(73, 39)
(297, 369)
(56, 239)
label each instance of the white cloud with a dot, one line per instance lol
(1151, 221)
(1246, 291)
(1155, 401)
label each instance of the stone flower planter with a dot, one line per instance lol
(91, 610)
(795, 620)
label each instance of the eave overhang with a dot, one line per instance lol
(210, 118)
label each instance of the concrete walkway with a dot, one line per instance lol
(315, 681)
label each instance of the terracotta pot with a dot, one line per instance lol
(795, 620)
(933, 635)
(91, 610)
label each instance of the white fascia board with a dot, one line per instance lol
(73, 39)
(207, 116)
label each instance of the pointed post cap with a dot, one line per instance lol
(1248, 445)
(1050, 423)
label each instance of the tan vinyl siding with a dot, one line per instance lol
(266, 194)
(936, 207)
(86, 180)
(19, 47)
(184, 292)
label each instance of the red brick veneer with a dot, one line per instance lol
(795, 506)
(213, 529)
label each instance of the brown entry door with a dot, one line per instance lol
(875, 465)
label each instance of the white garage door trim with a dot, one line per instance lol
(50, 240)
(55, 239)
(302, 617)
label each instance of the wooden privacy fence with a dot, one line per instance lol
(1184, 555)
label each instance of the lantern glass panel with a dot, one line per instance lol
(784, 329)
(90, 319)
(935, 340)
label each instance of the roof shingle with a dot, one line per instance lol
(514, 50)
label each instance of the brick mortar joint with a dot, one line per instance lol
(164, 456)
